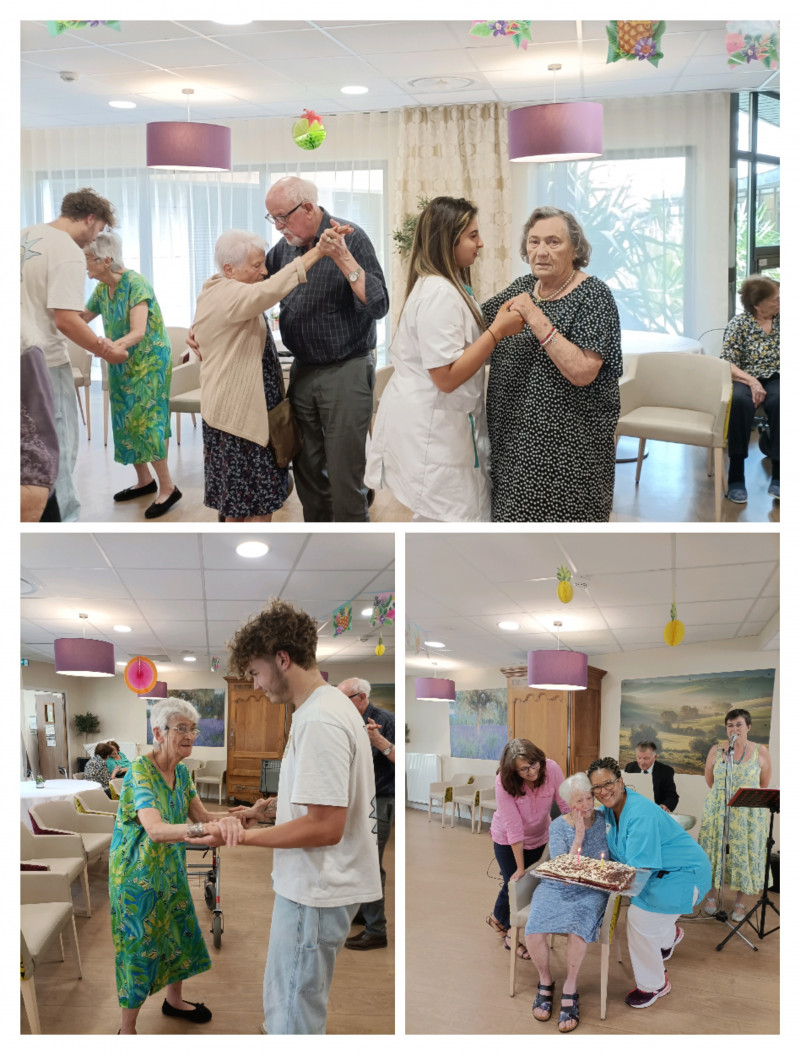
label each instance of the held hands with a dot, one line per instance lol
(531, 313)
(332, 242)
(225, 831)
(261, 811)
(508, 321)
(374, 734)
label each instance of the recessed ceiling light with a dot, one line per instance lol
(367, 611)
(122, 662)
(122, 104)
(433, 644)
(122, 629)
(252, 549)
(508, 624)
(190, 659)
(354, 89)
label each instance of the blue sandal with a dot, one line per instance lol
(544, 1000)
(569, 1014)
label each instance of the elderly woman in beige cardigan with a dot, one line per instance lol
(240, 375)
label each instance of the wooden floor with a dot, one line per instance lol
(362, 995)
(674, 486)
(457, 970)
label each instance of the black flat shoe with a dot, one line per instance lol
(158, 509)
(136, 492)
(199, 1014)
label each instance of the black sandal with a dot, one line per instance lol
(569, 1014)
(544, 1000)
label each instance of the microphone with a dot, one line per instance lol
(734, 738)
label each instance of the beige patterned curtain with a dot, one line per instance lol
(461, 151)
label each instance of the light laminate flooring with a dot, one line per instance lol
(457, 970)
(362, 994)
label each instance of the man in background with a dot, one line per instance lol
(665, 793)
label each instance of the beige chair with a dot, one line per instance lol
(214, 773)
(81, 362)
(116, 784)
(61, 854)
(45, 913)
(471, 798)
(184, 393)
(520, 895)
(678, 398)
(95, 800)
(442, 791)
(94, 829)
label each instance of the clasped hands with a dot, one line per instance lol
(332, 243)
(112, 351)
(228, 830)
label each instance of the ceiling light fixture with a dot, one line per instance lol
(354, 89)
(440, 84)
(121, 104)
(508, 624)
(83, 657)
(435, 689)
(556, 131)
(367, 611)
(252, 549)
(158, 692)
(556, 669)
(122, 629)
(434, 644)
(190, 659)
(188, 145)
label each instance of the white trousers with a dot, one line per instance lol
(648, 934)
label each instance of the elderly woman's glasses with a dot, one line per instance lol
(185, 730)
(609, 784)
(281, 218)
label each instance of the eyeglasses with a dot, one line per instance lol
(352, 695)
(609, 784)
(281, 218)
(528, 769)
(185, 730)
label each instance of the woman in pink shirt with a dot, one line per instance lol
(526, 787)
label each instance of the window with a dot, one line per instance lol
(756, 157)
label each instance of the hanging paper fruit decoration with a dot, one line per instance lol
(141, 674)
(380, 648)
(635, 40)
(565, 589)
(674, 630)
(519, 30)
(308, 131)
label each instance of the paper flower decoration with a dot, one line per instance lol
(342, 618)
(635, 41)
(382, 609)
(308, 131)
(56, 28)
(748, 42)
(519, 31)
(674, 630)
(380, 648)
(565, 588)
(141, 674)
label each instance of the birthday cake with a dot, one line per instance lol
(570, 868)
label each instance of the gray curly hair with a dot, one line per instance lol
(581, 249)
(172, 707)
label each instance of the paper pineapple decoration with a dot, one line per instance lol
(565, 588)
(674, 630)
(633, 41)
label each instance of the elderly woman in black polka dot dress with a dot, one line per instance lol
(553, 397)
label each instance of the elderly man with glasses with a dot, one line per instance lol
(380, 730)
(329, 326)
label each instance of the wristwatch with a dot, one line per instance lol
(388, 750)
(353, 276)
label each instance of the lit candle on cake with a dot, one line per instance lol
(602, 861)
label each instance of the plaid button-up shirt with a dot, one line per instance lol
(323, 321)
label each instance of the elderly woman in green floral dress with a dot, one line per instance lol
(139, 387)
(154, 926)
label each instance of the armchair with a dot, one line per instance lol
(45, 913)
(61, 816)
(61, 854)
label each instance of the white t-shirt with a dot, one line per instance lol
(52, 272)
(328, 762)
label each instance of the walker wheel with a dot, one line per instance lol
(763, 443)
(211, 895)
(216, 927)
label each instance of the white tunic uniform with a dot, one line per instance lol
(431, 448)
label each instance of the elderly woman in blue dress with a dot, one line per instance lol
(558, 908)
(641, 834)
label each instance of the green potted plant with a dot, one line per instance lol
(86, 723)
(403, 237)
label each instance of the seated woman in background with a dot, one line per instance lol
(752, 345)
(138, 387)
(430, 444)
(118, 765)
(96, 768)
(240, 375)
(558, 908)
(526, 787)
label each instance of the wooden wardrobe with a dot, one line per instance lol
(540, 715)
(257, 728)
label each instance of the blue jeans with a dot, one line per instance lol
(508, 866)
(374, 912)
(65, 403)
(303, 944)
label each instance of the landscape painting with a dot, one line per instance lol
(684, 715)
(478, 725)
(210, 704)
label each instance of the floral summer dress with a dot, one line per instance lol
(744, 867)
(139, 388)
(154, 926)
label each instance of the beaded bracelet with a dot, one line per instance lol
(548, 338)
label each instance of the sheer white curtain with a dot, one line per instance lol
(656, 208)
(169, 221)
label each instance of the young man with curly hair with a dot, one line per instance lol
(325, 860)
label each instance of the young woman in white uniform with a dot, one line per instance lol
(430, 444)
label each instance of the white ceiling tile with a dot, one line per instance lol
(162, 583)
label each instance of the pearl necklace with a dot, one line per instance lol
(559, 290)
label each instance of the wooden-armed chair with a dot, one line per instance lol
(442, 791)
(472, 798)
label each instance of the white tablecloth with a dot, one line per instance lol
(29, 795)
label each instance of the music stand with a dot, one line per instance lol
(758, 798)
